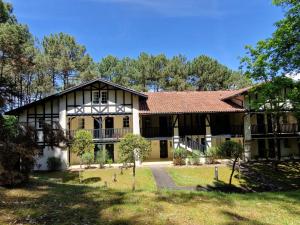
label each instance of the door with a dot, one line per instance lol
(163, 149)
(109, 125)
(261, 148)
(97, 127)
(260, 123)
(271, 148)
(163, 126)
(98, 148)
(110, 151)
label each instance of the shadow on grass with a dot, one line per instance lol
(46, 201)
(238, 219)
(91, 180)
(261, 176)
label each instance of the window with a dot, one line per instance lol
(81, 123)
(41, 151)
(126, 121)
(41, 123)
(104, 97)
(96, 97)
(287, 143)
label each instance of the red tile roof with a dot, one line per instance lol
(190, 102)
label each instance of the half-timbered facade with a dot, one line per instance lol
(194, 120)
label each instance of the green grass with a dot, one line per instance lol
(98, 177)
(57, 198)
(203, 176)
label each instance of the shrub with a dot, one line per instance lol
(53, 163)
(212, 153)
(179, 156)
(88, 158)
(101, 157)
(109, 161)
(233, 150)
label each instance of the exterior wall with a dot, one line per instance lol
(89, 121)
(218, 140)
(118, 101)
(155, 150)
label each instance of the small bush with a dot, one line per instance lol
(88, 158)
(101, 157)
(53, 163)
(212, 154)
(179, 156)
(109, 161)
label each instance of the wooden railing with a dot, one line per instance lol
(152, 132)
(286, 128)
(108, 133)
(196, 146)
(231, 129)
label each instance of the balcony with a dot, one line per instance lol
(105, 134)
(153, 132)
(259, 129)
(234, 130)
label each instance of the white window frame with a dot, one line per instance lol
(81, 123)
(94, 100)
(126, 120)
(106, 97)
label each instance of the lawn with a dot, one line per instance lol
(98, 177)
(203, 176)
(57, 198)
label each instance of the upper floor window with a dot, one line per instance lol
(81, 123)
(104, 97)
(126, 121)
(41, 123)
(96, 97)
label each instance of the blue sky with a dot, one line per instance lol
(217, 28)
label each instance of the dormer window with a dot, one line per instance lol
(96, 97)
(103, 97)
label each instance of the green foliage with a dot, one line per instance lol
(54, 163)
(179, 155)
(65, 57)
(230, 149)
(82, 142)
(18, 149)
(209, 74)
(131, 143)
(6, 15)
(101, 157)
(88, 158)
(213, 153)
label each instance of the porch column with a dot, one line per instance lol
(176, 132)
(247, 137)
(63, 154)
(135, 115)
(207, 131)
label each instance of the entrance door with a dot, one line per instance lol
(109, 125)
(271, 148)
(260, 123)
(97, 127)
(261, 148)
(163, 149)
(163, 126)
(110, 151)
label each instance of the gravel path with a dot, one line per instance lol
(164, 181)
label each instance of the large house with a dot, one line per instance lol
(195, 120)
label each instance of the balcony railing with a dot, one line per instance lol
(231, 129)
(286, 128)
(108, 133)
(152, 132)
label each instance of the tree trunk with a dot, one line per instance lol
(133, 173)
(80, 171)
(232, 172)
